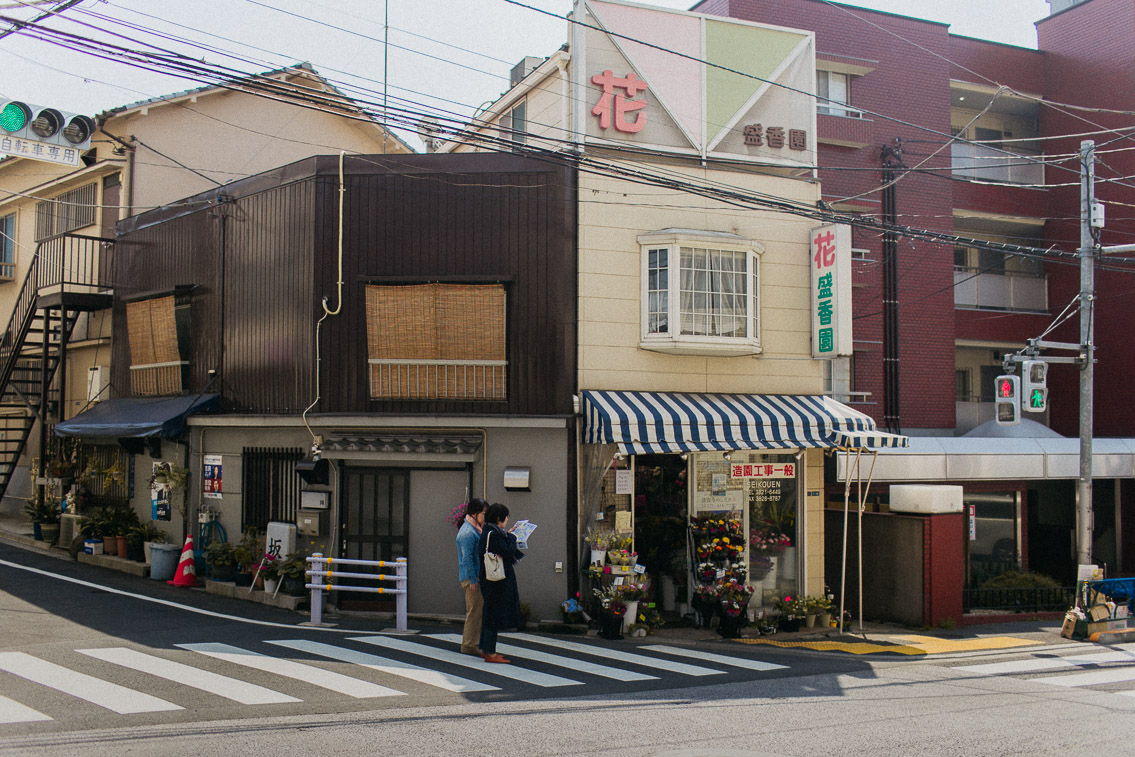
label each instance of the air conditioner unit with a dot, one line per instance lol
(96, 382)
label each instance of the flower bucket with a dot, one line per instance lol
(630, 617)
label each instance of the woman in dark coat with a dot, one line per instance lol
(502, 598)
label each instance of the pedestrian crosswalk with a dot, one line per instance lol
(266, 672)
(1113, 669)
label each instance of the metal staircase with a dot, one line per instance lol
(63, 281)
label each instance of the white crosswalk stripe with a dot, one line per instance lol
(615, 654)
(94, 690)
(436, 678)
(582, 666)
(456, 658)
(720, 659)
(12, 711)
(1072, 671)
(578, 658)
(337, 682)
(214, 683)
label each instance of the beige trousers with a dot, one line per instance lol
(474, 602)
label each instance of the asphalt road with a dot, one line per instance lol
(100, 663)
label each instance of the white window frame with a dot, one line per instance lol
(673, 240)
(833, 104)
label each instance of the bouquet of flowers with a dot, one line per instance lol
(573, 611)
(629, 592)
(766, 541)
(707, 593)
(610, 601)
(706, 572)
(734, 597)
(792, 607)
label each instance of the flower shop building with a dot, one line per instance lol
(700, 364)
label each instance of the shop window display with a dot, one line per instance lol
(743, 531)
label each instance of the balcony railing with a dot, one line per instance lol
(982, 163)
(438, 379)
(1000, 291)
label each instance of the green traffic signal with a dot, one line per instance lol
(1036, 399)
(14, 116)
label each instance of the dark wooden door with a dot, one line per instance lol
(375, 526)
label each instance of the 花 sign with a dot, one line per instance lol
(617, 102)
(831, 291)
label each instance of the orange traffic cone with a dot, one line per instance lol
(186, 574)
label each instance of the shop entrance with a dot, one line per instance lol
(661, 493)
(375, 526)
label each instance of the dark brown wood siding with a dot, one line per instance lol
(459, 218)
(182, 251)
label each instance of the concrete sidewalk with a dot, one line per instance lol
(873, 639)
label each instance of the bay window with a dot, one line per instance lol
(700, 293)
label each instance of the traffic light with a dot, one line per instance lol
(1034, 389)
(1007, 400)
(33, 131)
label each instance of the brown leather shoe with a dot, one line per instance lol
(494, 658)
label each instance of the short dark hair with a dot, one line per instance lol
(496, 513)
(475, 506)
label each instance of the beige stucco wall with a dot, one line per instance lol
(228, 136)
(612, 215)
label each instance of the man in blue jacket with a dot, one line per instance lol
(468, 572)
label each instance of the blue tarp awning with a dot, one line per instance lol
(137, 417)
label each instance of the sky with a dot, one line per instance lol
(452, 55)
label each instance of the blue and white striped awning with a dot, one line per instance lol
(650, 422)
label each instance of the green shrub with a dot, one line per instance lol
(1019, 579)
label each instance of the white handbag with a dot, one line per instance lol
(494, 565)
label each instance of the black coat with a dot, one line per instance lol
(502, 598)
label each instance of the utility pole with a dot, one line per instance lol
(1087, 350)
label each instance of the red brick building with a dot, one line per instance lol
(905, 84)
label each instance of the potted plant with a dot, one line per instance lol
(220, 560)
(125, 520)
(597, 541)
(819, 611)
(792, 610)
(270, 572)
(293, 573)
(41, 514)
(733, 606)
(150, 535)
(247, 553)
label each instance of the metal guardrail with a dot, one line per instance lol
(1034, 599)
(321, 566)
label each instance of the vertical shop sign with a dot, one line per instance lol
(212, 476)
(831, 291)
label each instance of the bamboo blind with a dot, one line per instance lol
(152, 333)
(450, 332)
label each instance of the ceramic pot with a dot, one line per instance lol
(50, 532)
(120, 545)
(270, 585)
